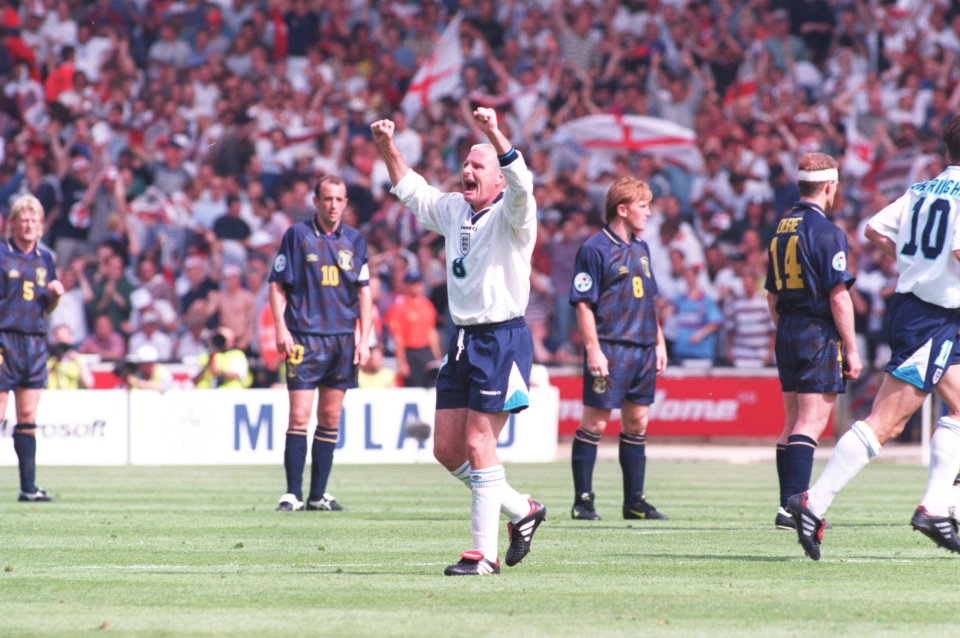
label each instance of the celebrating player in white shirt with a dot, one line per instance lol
(490, 230)
(922, 232)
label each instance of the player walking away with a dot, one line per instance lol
(921, 231)
(490, 230)
(29, 291)
(614, 294)
(808, 291)
(323, 309)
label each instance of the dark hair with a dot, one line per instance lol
(327, 179)
(951, 136)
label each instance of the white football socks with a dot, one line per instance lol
(944, 462)
(485, 514)
(512, 503)
(852, 453)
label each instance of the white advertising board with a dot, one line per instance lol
(74, 427)
(193, 427)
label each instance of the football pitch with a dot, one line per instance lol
(197, 551)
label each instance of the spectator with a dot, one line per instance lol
(150, 332)
(752, 332)
(111, 295)
(697, 318)
(147, 373)
(70, 312)
(201, 291)
(104, 341)
(66, 370)
(225, 366)
(236, 307)
(412, 321)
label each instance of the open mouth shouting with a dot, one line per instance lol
(470, 187)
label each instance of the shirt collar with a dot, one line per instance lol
(318, 230)
(612, 236)
(475, 217)
(810, 205)
(16, 249)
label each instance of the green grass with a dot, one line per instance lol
(186, 551)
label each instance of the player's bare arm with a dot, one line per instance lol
(55, 290)
(661, 351)
(362, 336)
(278, 303)
(842, 307)
(382, 131)
(597, 363)
(772, 304)
(886, 245)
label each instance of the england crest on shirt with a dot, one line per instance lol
(466, 232)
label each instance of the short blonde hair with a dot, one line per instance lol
(625, 190)
(814, 162)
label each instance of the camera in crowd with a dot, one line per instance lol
(59, 350)
(218, 342)
(125, 368)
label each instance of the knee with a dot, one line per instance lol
(811, 429)
(637, 427)
(447, 455)
(299, 419)
(594, 427)
(329, 420)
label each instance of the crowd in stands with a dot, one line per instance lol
(172, 143)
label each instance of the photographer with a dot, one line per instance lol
(143, 372)
(225, 366)
(65, 368)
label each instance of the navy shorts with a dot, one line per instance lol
(321, 360)
(632, 376)
(809, 355)
(23, 361)
(487, 368)
(923, 340)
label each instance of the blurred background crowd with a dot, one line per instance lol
(172, 143)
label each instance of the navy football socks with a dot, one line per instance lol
(583, 457)
(294, 460)
(782, 474)
(633, 464)
(25, 445)
(798, 458)
(324, 443)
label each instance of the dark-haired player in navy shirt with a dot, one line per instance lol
(614, 293)
(322, 307)
(808, 292)
(29, 291)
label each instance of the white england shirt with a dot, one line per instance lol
(923, 223)
(488, 255)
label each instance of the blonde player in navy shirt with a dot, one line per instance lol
(322, 307)
(490, 230)
(29, 291)
(614, 293)
(921, 230)
(808, 291)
